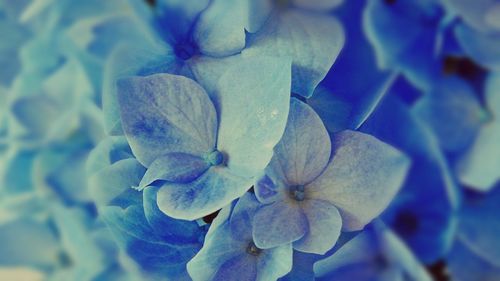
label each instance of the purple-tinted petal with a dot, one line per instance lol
(278, 224)
(324, 223)
(304, 149)
(361, 179)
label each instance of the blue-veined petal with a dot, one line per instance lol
(304, 149)
(165, 113)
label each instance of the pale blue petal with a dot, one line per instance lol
(166, 113)
(216, 188)
(252, 101)
(278, 224)
(125, 61)
(174, 167)
(479, 167)
(220, 29)
(324, 223)
(304, 150)
(313, 41)
(453, 112)
(361, 179)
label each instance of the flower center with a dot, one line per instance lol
(297, 192)
(185, 50)
(253, 250)
(215, 158)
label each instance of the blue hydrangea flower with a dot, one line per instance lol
(423, 213)
(375, 254)
(158, 245)
(177, 37)
(309, 196)
(229, 252)
(207, 153)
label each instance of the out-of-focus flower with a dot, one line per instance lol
(309, 196)
(229, 252)
(423, 213)
(375, 254)
(158, 245)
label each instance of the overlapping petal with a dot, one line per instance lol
(361, 179)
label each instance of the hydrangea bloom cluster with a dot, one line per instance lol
(214, 140)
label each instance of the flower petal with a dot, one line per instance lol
(174, 167)
(274, 263)
(325, 224)
(220, 30)
(219, 247)
(116, 181)
(313, 41)
(278, 224)
(253, 98)
(216, 188)
(125, 61)
(304, 150)
(165, 113)
(361, 179)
